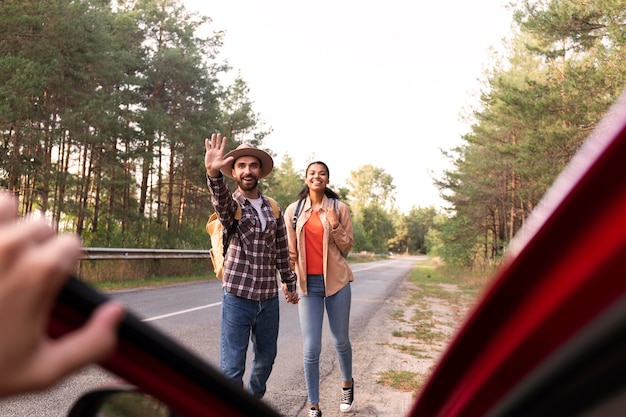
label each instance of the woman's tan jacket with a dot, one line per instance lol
(337, 272)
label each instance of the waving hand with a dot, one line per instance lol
(214, 156)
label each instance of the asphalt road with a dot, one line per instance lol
(190, 313)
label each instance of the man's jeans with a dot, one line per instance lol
(243, 320)
(311, 309)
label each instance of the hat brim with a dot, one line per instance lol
(267, 163)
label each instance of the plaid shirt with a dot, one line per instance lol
(253, 255)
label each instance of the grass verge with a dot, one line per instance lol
(420, 333)
(401, 380)
(149, 282)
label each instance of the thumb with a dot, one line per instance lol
(93, 342)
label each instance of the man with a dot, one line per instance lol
(257, 249)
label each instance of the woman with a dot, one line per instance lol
(320, 236)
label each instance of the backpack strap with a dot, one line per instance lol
(296, 214)
(232, 229)
(274, 205)
(299, 207)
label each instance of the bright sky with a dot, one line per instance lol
(355, 82)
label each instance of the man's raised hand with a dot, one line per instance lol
(214, 156)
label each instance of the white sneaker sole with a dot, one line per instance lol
(346, 410)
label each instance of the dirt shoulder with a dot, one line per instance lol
(393, 345)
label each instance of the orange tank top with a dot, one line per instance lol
(313, 238)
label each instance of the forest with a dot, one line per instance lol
(104, 107)
(564, 67)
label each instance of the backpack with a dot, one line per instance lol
(218, 246)
(298, 210)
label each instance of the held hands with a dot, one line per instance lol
(35, 262)
(214, 156)
(291, 297)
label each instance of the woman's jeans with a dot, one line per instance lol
(243, 320)
(311, 309)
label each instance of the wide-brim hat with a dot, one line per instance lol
(266, 161)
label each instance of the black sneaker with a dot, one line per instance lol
(347, 398)
(314, 412)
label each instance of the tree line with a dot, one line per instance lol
(103, 108)
(100, 111)
(565, 66)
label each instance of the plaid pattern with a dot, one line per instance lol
(254, 255)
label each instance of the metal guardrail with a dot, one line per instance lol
(129, 253)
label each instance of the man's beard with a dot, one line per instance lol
(248, 186)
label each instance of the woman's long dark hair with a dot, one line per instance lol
(304, 192)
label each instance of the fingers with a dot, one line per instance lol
(289, 296)
(35, 263)
(33, 242)
(43, 263)
(214, 156)
(93, 342)
(56, 359)
(217, 142)
(30, 248)
(220, 142)
(292, 297)
(8, 207)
